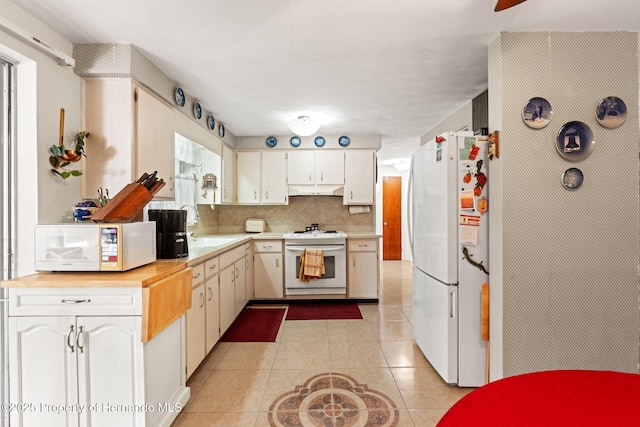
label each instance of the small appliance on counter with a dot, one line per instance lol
(255, 225)
(94, 247)
(171, 229)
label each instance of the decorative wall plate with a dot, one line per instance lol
(537, 113)
(319, 141)
(211, 122)
(197, 110)
(179, 95)
(575, 141)
(295, 141)
(271, 141)
(572, 178)
(344, 141)
(611, 112)
(221, 130)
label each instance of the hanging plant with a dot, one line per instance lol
(61, 157)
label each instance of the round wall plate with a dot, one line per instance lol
(271, 141)
(221, 130)
(211, 122)
(344, 141)
(537, 113)
(611, 112)
(572, 178)
(197, 110)
(319, 141)
(179, 95)
(295, 141)
(575, 141)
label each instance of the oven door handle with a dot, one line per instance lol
(324, 248)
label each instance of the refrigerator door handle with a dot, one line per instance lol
(452, 305)
(409, 209)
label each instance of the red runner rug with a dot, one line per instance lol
(323, 311)
(255, 325)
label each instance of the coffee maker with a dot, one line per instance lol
(171, 233)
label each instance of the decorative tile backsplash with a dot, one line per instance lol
(301, 211)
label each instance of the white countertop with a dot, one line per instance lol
(204, 247)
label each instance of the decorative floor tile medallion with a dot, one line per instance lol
(333, 400)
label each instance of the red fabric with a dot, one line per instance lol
(551, 398)
(255, 325)
(320, 311)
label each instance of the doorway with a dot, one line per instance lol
(391, 218)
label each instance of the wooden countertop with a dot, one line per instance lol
(138, 277)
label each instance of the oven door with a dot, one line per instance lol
(334, 280)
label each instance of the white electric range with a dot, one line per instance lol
(334, 247)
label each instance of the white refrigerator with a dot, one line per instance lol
(449, 238)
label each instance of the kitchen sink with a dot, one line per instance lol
(209, 241)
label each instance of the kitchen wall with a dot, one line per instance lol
(42, 88)
(564, 264)
(301, 211)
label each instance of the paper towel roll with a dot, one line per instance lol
(359, 209)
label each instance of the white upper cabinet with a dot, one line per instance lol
(274, 178)
(155, 135)
(261, 177)
(360, 179)
(131, 132)
(306, 167)
(228, 175)
(248, 176)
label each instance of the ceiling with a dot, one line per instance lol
(389, 67)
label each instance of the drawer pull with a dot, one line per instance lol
(196, 276)
(75, 301)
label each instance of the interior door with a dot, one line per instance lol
(392, 218)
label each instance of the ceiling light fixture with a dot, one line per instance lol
(304, 126)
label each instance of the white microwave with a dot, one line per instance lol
(94, 247)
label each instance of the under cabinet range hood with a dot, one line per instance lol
(316, 190)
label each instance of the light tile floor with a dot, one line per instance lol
(361, 364)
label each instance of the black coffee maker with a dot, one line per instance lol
(171, 233)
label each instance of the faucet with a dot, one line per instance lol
(196, 217)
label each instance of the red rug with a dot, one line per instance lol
(551, 398)
(255, 325)
(323, 311)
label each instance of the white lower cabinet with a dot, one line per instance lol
(363, 267)
(195, 330)
(233, 293)
(212, 304)
(268, 269)
(83, 370)
(203, 318)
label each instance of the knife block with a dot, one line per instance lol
(126, 206)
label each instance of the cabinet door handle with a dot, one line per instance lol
(201, 300)
(78, 336)
(309, 176)
(172, 186)
(255, 195)
(266, 194)
(351, 194)
(321, 176)
(277, 262)
(75, 301)
(237, 272)
(69, 341)
(210, 293)
(354, 262)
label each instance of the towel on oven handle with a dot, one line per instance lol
(311, 264)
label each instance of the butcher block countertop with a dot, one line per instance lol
(138, 277)
(165, 290)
